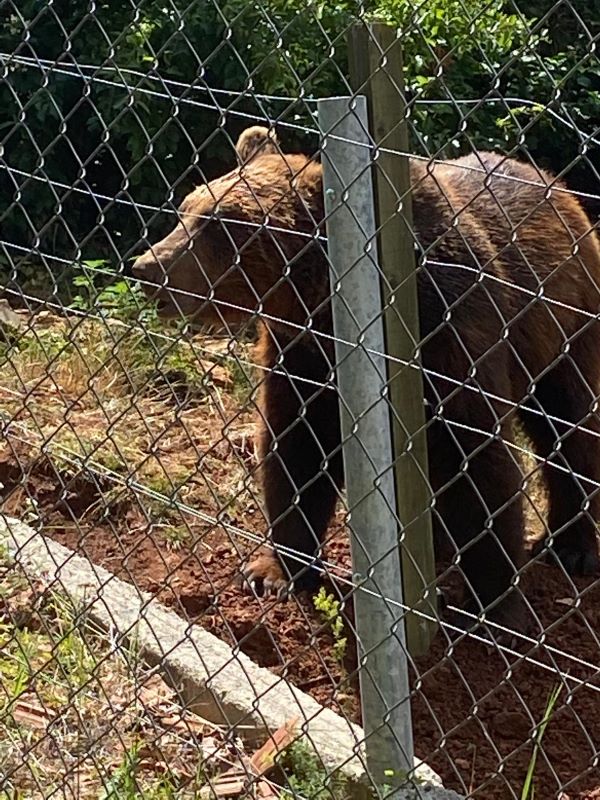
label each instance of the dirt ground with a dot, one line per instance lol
(474, 708)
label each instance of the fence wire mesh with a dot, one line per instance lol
(170, 411)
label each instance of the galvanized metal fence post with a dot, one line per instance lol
(366, 435)
(376, 70)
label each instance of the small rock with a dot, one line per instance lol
(462, 763)
(511, 725)
(9, 317)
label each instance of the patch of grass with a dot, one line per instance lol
(93, 447)
(131, 781)
(180, 361)
(175, 536)
(528, 790)
(66, 690)
(101, 431)
(305, 775)
(123, 784)
(92, 358)
(156, 355)
(165, 490)
(99, 360)
(43, 345)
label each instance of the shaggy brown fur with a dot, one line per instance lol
(504, 266)
(255, 141)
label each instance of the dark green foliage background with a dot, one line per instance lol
(152, 149)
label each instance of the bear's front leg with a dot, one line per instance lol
(300, 493)
(301, 464)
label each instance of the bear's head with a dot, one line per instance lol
(256, 141)
(248, 242)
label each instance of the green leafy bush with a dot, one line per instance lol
(456, 51)
(123, 131)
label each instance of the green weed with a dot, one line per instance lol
(100, 289)
(329, 609)
(528, 790)
(45, 344)
(175, 536)
(164, 492)
(306, 776)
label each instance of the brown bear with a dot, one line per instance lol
(256, 141)
(509, 293)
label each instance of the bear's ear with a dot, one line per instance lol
(256, 141)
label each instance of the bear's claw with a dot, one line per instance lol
(269, 574)
(264, 577)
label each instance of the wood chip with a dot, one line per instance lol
(158, 700)
(266, 791)
(264, 758)
(229, 785)
(31, 712)
(565, 601)
(234, 782)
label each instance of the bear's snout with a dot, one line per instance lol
(153, 273)
(147, 267)
(165, 263)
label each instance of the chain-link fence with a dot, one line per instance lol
(299, 398)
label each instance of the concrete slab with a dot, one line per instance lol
(220, 683)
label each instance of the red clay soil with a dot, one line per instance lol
(473, 707)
